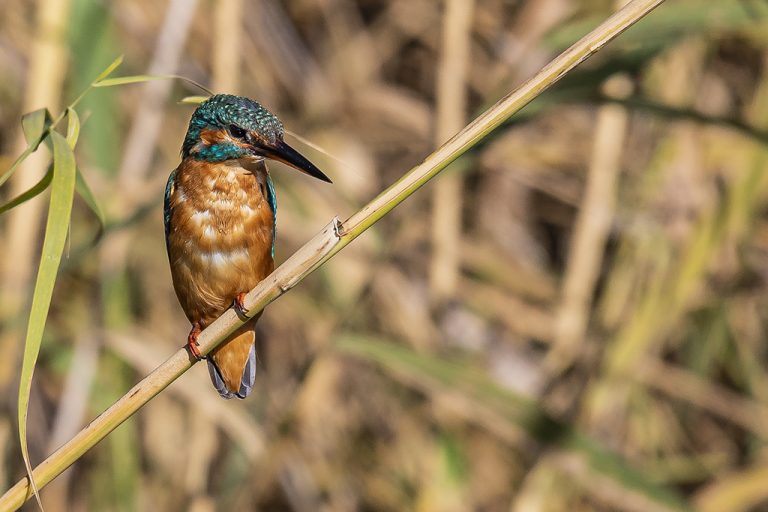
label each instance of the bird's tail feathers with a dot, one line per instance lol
(225, 374)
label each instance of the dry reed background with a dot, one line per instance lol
(602, 258)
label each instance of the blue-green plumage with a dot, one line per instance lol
(167, 204)
(272, 200)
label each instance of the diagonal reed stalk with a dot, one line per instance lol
(334, 237)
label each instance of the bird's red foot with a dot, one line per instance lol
(239, 304)
(192, 342)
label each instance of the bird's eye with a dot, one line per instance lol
(236, 131)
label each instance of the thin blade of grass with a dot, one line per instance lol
(433, 373)
(56, 228)
(131, 79)
(134, 79)
(109, 69)
(36, 189)
(12, 169)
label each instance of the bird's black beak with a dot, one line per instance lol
(282, 152)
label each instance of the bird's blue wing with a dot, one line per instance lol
(272, 200)
(167, 204)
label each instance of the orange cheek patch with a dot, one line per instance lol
(213, 137)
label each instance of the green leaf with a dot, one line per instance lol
(37, 124)
(81, 186)
(108, 71)
(36, 189)
(131, 79)
(84, 191)
(73, 128)
(433, 373)
(12, 169)
(103, 75)
(56, 229)
(193, 100)
(34, 125)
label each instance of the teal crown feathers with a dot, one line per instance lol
(223, 111)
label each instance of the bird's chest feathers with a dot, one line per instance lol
(220, 213)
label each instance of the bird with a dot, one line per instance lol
(220, 212)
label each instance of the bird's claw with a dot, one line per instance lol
(192, 343)
(239, 305)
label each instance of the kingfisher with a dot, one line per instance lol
(220, 222)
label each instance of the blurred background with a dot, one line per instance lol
(571, 317)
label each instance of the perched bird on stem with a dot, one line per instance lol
(220, 219)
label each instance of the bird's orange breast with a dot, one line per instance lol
(220, 236)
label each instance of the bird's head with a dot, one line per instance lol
(226, 127)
